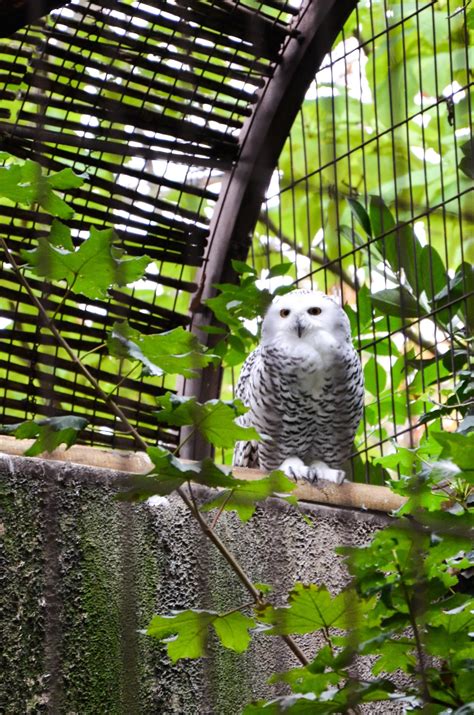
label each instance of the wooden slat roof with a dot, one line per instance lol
(148, 99)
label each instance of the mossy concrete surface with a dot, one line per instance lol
(82, 575)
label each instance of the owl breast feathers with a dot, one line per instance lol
(304, 389)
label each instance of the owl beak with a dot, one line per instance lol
(299, 328)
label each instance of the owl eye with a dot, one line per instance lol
(314, 311)
(284, 312)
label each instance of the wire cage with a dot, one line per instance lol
(337, 143)
(370, 201)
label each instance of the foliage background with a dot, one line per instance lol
(392, 143)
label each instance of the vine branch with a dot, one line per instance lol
(420, 656)
(117, 411)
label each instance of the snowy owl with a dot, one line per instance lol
(304, 389)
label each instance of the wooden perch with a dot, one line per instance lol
(349, 494)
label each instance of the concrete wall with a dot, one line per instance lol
(82, 574)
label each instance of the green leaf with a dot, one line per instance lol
(450, 630)
(65, 179)
(467, 425)
(394, 655)
(447, 556)
(360, 214)
(466, 165)
(245, 494)
(24, 184)
(49, 433)
(297, 704)
(467, 162)
(41, 190)
(432, 271)
(459, 290)
(13, 187)
(233, 630)
(330, 701)
(404, 458)
(169, 473)
(355, 239)
(314, 677)
(459, 447)
(382, 222)
(364, 307)
(381, 218)
(376, 565)
(398, 302)
(375, 377)
(238, 302)
(213, 330)
(214, 420)
(175, 352)
(187, 632)
(60, 235)
(311, 608)
(54, 205)
(401, 247)
(467, 305)
(470, 26)
(241, 267)
(410, 256)
(263, 587)
(280, 269)
(95, 266)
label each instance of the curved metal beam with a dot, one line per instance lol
(261, 141)
(15, 15)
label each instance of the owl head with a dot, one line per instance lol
(305, 317)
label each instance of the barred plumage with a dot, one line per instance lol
(304, 389)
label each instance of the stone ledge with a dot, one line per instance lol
(366, 497)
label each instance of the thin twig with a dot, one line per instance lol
(117, 411)
(65, 345)
(63, 300)
(250, 604)
(221, 509)
(93, 350)
(125, 377)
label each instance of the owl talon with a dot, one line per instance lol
(327, 474)
(297, 469)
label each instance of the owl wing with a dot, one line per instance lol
(246, 453)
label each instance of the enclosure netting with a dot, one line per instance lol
(371, 201)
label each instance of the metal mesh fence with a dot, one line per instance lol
(371, 201)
